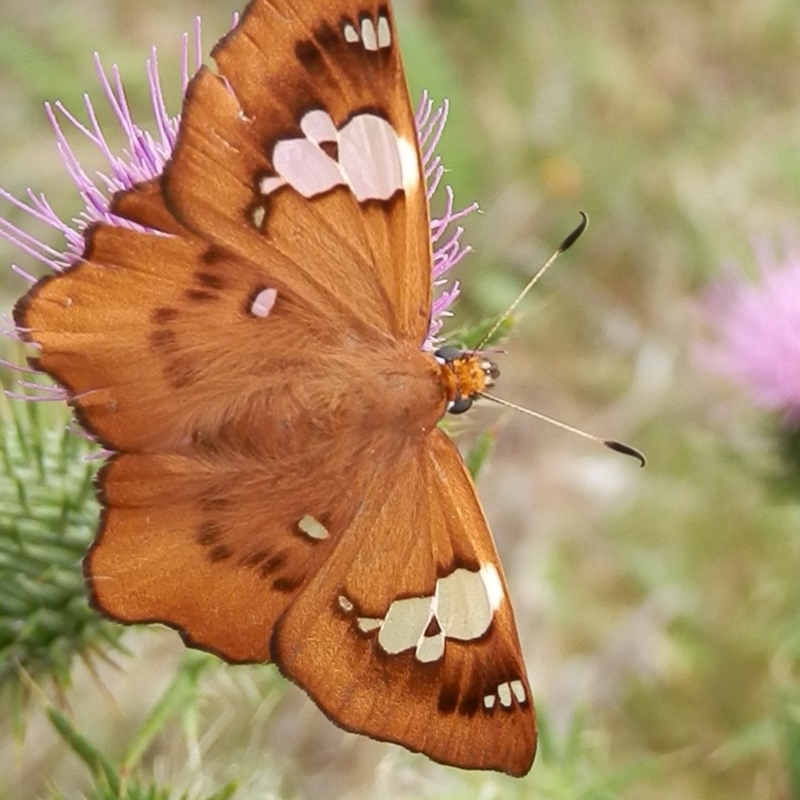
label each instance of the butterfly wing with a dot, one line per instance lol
(406, 632)
(294, 189)
(157, 343)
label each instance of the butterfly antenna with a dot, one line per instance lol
(618, 447)
(563, 247)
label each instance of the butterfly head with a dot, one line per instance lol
(466, 375)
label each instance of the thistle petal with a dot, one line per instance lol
(145, 155)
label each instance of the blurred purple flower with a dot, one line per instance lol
(146, 154)
(755, 326)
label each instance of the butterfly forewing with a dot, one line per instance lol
(302, 154)
(406, 632)
(248, 347)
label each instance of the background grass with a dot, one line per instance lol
(658, 609)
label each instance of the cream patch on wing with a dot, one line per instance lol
(461, 607)
(346, 604)
(312, 527)
(263, 302)
(365, 154)
(350, 33)
(409, 164)
(506, 693)
(384, 32)
(371, 36)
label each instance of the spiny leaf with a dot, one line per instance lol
(179, 695)
(47, 519)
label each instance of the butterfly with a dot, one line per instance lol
(247, 345)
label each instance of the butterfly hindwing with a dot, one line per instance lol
(216, 547)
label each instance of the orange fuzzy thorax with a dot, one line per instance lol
(464, 377)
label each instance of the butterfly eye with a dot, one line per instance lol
(491, 369)
(446, 355)
(459, 405)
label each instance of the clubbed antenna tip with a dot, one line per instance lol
(626, 450)
(576, 234)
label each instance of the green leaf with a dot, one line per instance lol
(98, 765)
(180, 695)
(471, 336)
(480, 451)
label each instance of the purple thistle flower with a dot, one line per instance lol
(146, 155)
(756, 327)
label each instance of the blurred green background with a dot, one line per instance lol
(658, 608)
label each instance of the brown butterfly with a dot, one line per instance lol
(250, 351)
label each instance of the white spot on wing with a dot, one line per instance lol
(318, 126)
(409, 164)
(368, 34)
(350, 34)
(430, 648)
(258, 216)
(489, 700)
(504, 693)
(310, 526)
(463, 608)
(384, 32)
(494, 586)
(373, 161)
(405, 624)
(462, 604)
(307, 168)
(262, 305)
(269, 185)
(518, 687)
(369, 154)
(345, 604)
